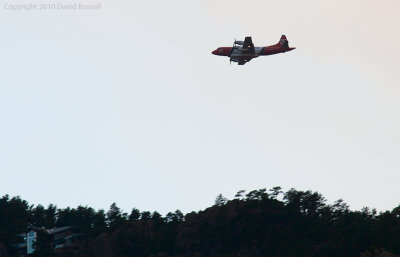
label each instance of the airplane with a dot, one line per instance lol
(244, 51)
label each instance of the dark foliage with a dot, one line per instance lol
(262, 222)
(43, 246)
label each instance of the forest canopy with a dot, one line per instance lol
(255, 223)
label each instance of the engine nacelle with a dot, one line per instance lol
(239, 43)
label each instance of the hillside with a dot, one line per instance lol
(259, 223)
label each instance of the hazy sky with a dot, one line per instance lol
(128, 104)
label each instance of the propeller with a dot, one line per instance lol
(235, 43)
(234, 47)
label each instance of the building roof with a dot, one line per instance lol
(50, 231)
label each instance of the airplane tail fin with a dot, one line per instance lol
(284, 42)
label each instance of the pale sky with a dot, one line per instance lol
(127, 104)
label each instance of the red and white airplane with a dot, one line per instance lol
(244, 51)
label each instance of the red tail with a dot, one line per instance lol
(284, 42)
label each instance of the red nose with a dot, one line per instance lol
(215, 52)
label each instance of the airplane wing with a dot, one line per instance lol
(243, 61)
(248, 46)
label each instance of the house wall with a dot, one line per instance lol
(30, 240)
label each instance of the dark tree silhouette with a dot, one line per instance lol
(135, 214)
(115, 217)
(259, 223)
(43, 245)
(220, 200)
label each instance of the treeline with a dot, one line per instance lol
(262, 222)
(16, 214)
